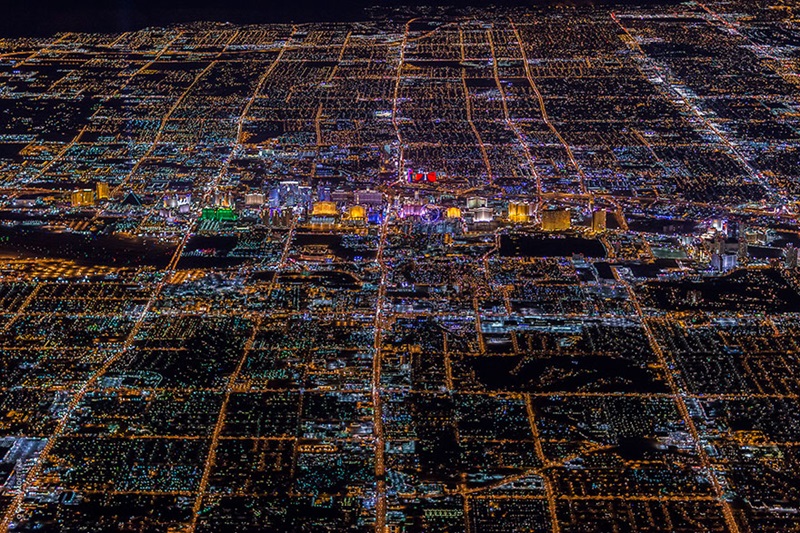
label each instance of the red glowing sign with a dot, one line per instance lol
(421, 177)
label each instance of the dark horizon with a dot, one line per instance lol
(22, 19)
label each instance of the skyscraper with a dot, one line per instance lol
(101, 189)
(82, 197)
(555, 220)
(599, 221)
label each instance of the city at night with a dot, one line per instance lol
(527, 267)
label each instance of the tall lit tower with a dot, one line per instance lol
(101, 190)
(599, 221)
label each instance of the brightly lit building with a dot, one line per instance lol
(599, 221)
(482, 214)
(453, 212)
(357, 213)
(82, 197)
(520, 212)
(556, 220)
(254, 199)
(101, 189)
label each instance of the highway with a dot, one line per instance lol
(377, 389)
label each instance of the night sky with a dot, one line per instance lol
(24, 18)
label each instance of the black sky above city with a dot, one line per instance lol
(22, 18)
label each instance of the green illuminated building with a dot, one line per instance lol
(219, 214)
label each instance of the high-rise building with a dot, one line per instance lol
(82, 197)
(357, 213)
(556, 220)
(724, 262)
(101, 188)
(483, 214)
(411, 210)
(340, 196)
(288, 194)
(304, 196)
(223, 199)
(718, 245)
(324, 209)
(519, 212)
(599, 221)
(369, 197)
(274, 198)
(324, 215)
(716, 261)
(474, 202)
(729, 262)
(743, 251)
(184, 202)
(254, 199)
(790, 256)
(732, 229)
(453, 212)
